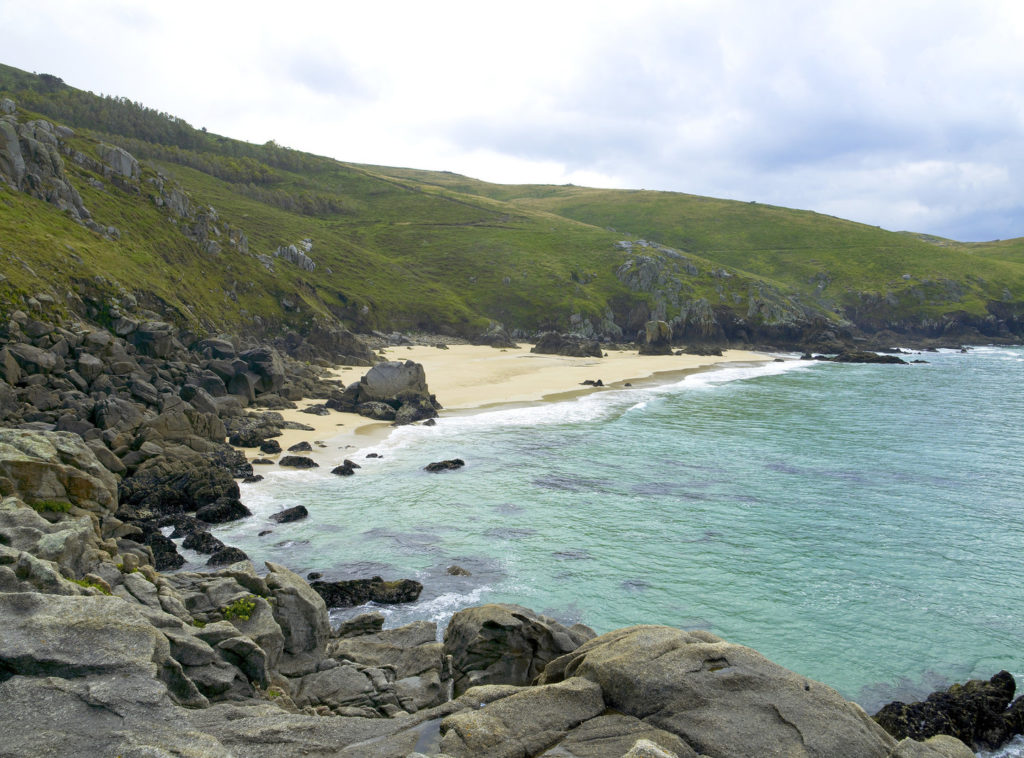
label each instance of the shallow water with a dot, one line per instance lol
(859, 524)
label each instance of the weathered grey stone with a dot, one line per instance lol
(51, 635)
(615, 734)
(56, 466)
(120, 160)
(523, 724)
(392, 379)
(71, 543)
(722, 699)
(505, 644)
(302, 616)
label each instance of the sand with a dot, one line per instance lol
(466, 377)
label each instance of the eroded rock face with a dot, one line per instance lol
(655, 339)
(505, 644)
(56, 466)
(724, 699)
(393, 378)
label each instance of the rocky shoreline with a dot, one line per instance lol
(111, 440)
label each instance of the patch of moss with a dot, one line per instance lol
(51, 506)
(89, 583)
(241, 609)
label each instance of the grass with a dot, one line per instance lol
(419, 250)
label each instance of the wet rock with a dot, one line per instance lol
(298, 461)
(376, 410)
(300, 447)
(202, 542)
(345, 469)
(344, 594)
(505, 644)
(449, 465)
(226, 556)
(223, 510)
(297, 513)
(270, 447)
(978, 713)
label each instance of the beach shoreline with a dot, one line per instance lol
(473, 378)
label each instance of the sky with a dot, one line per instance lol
(904, 114)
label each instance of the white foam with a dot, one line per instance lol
(1012, 749)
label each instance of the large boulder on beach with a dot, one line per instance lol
(575, 345)
(722, 699)
(391, 379)
(505, 644)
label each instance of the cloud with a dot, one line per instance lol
(909, 115)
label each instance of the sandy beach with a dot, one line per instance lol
(467, 377)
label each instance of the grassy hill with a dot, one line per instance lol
(194, 236)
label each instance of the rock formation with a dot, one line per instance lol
(574, 345)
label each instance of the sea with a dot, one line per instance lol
(860, 524)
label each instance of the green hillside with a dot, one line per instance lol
(200, 233)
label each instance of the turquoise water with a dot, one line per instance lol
(859, 524)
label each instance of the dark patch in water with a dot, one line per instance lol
(635, 585)
(746, 498)
(358, 569)
(291, 543)
(568, 483)
(708, 536)
(409, 542)
(573, 555)
(571, 614)
(784, 468)
(510, 532)
(509, 508)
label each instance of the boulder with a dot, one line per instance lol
(376, 410)
(266, 364)
(721, 699)
(163, 486)
(227, 556)
(522, 724)
(449, 465)
(302, 615)
(344, 594)
(574, 345)
(223, 510)
(393, 378)
(863, 356)
(298, 461)
(655, 339)
(56, 466)
(505, 644)
(202, 542)
(296, 513)
(978, 712)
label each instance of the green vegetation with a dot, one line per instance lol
(91, 584)
(434, 251)
(241, 609)
(51, 506)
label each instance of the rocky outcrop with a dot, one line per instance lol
(56, 467)
(978, 713)
(505, 644)
(722, 699)
(574, 345)
(351, 592)
(655, 339)
(496, 336)
(392, 390)
(449, 465)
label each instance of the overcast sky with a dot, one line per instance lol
(902, 113)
